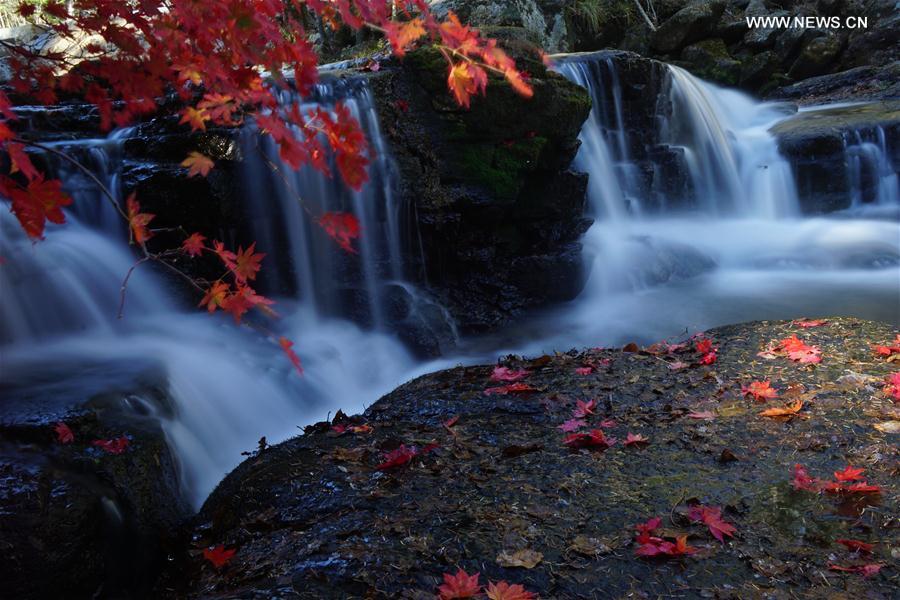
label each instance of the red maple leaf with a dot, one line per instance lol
(584, 370)
(650, 545)
(197, 164)
(193, 245)
(506, 374)
(218, 555)
(215, 295)
(242, 300)
(850, 473)
(583, 409)
(856, 545)
(595, 439)
(864, 570)
(809, 324)
(287, 347)
(760, 390)
(64, 435)
(40, 201)
(398, 457)
(704, 346)
(892, 388)
(573, 425)
(802, 480)
(633, 439)
(246, 264)
(708, 358)
(711, 516)
(113, 446)
(513, 388)
(342, 227)
(460, 585)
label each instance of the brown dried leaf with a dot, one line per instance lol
(525, 558)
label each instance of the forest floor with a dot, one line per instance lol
(483, 480)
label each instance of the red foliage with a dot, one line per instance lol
(573, 425)
(287, 346)
(711, 516)
(398, 457)
(64, 435)
(650, 545)
(218, 555)
(892, 388)
(505, 591)
(114, 446)
(802, 480)
(794, 349)
(583, 409)
(635, 439)
(760, 390)
(506, 374)
(460, 585)
(513, 388)
(857, 545)
(225, 59)
(595, 439)
(865, 570)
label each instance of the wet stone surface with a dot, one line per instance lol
(314, 517)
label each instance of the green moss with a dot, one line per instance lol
(500, 169)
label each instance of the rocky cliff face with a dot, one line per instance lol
(498, 211)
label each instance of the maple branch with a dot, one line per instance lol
(124, 286)
(65, 156)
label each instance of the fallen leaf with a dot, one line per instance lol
(787, 411)
(461, 585)
(64, 435)
(525, 558)
(505, 591)
(508, 375)
(857, 545)
(218, 555)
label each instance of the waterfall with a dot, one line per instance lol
(730, 246)
(228, 385)
(870, 173)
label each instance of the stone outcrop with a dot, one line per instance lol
(819, 144)
(75, 520)
(497, 492)
(499, 213)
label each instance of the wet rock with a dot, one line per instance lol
(314, 517)
(816, 144)
(694, 22)
(757, 70)
(74, 517)
(490, 186)
(710, 60)
(816, 56)
(874, 82)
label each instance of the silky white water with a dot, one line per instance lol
(737, 250)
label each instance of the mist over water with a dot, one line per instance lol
(738, 250)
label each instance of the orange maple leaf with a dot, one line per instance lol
(464, 80)
(505, 591)
(193, 245)
(787, 411)
(198, 164)
(138, 220)
(196, 117)
(215, 295)
(246, 263)
(402, 35)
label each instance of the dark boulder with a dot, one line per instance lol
(816, 56)
(77, 521)
(696, 21)
(710, 60)
(314, 517)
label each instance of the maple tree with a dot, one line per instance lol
(227, 62)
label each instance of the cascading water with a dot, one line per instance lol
(228, 386)
(735, 248)
(869, 171)
(731, 247)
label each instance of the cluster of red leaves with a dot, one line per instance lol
(463, 585)
(513, 379)
(706, 350)
(760, 390)
(794, 349)
(218, 556)
(887, 351)
(510, 375)
(711, 516)
(342, 428)
(650, 545)
(226, 60)
(114, 446)
(848, 481)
